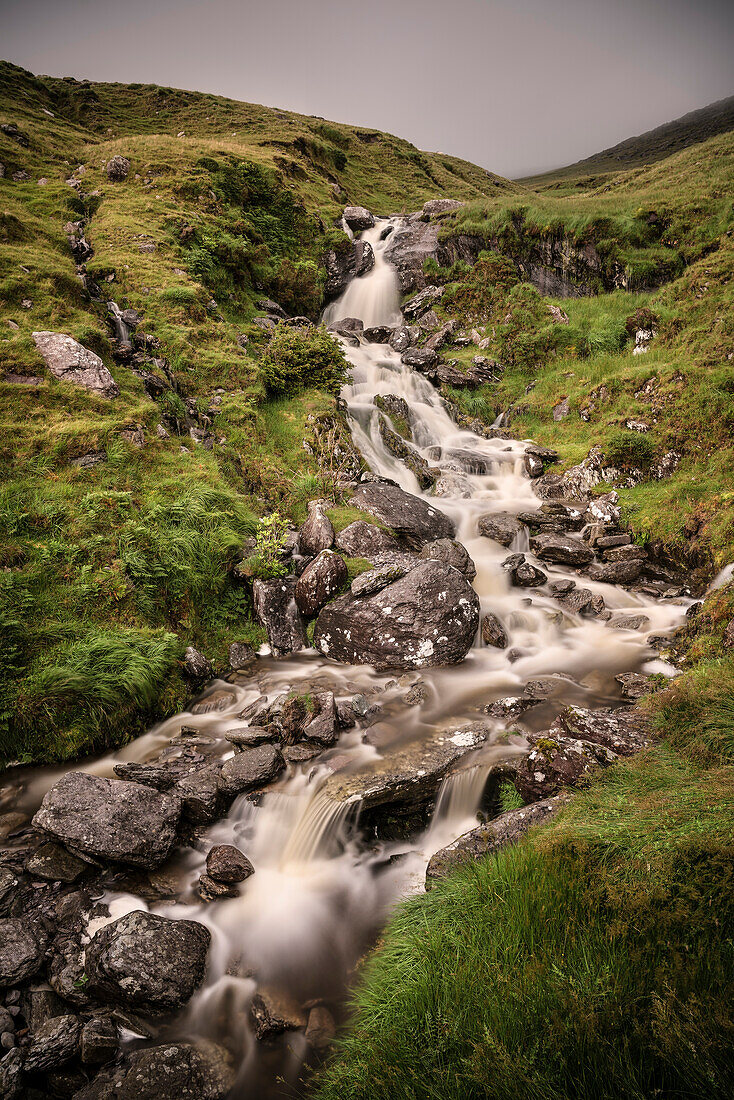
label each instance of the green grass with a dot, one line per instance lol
(592, 960)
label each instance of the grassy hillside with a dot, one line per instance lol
(109, 570)
(647, 148)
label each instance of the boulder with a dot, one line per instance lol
(503, 831)
(422, 302)
(321, 1029)
(363, 540)
(428, 617)
(147, 961)
(396, 794)
(377, 334)
(397, 409)
(522, 573)
(409, 246)
(440, 206)
(615, 572)
(54, 1044)
(502, 527)
(563, 549)
(21, 950)
(109, 818)
(409, 516)
(452, 553)
(402, 338)
(276, 609)
(420, 359)
(52, 862)
(364, 258)
(317, 533)
(100, 1041)
(241, 655)
(250, 769)
(556, 761)
(70, 362)
(358, 218)
(117, 169)
(225, 863)
(320, 582)
(625, 730)
(408, 455)
(195, 666)
(493, 632)
(341, 267)
(175, 1071)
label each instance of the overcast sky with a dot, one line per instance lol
(514, 85)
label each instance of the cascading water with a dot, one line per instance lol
(318, 894)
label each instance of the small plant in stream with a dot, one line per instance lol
(270, 537)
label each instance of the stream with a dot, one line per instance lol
(321, 894)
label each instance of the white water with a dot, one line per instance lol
(318, 895)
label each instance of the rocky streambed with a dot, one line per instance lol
(183, 918)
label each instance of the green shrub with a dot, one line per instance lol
(266, 563)
(630, 450)
(296, 359)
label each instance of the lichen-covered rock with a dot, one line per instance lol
(410, 245)
(175, 1071)
(358, 218)
(407, 515)
(523, 573)
(556, 761)
(499, 833)
(70, 362)
(110, 818)
(21, 950)
(147, 961)
(440, 206)
(493, 632)
(317, 533)
(452, 553)
(118, 168)
(319, 582)
(100, 1041)
(276, 609)
(362, 540)
(408, 455)
(625, 731)
(52, 862)
(54, 1044)
(374, 580)
(429, 617)
(615, 572)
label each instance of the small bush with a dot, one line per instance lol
(295, 360)
(266, 562)
(630, 450)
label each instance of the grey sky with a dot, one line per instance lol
(515, 86)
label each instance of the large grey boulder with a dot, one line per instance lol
(276, 609)
(450, 552)
(251, 768)
(486, 839)
(502, 527)
(362, 540)
(174, 1071)
(116, 820)
(317, 533)
(409, 246)
(319, 582)
(70, 362)
(21, 951)
(358, 218)
(564, 549)
(147, 961)
(428, 617)
(409, 516)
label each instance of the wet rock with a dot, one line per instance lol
(402, 338)
(124, 822)
(503, 831)
(396, 408)
(321, 1029)
(21, 950)
(273, 1012)
(377, 334)
(248, 736)
(408, 516)
(419, 359)
(409, 246)
(374, 580)
(363, 540)
(100, 1041)
(300, 754)
(174, 1071)
(250, 769)
(522, 573)
(276, 609)
(322, 719)
(320, 582)
(630, 622)
(625, 731)
(408, 455)
(577, 601)
(556, 761)
(625, 553)
(225, 863)
(634, 685)
(358, 218)
(317, 533)
(70, 362)
(615, 572)
(502, 527)
(200, 794)
(241, 655)
(51, 861)
(493, 632)
(147, 961)
(54, 1044)
(561, 548)
(117, 169)
(209, 889)
(364, 258)
(452, 553)
(429, 617)
(195, 666)
(395, 796)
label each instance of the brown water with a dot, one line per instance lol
(319, 895)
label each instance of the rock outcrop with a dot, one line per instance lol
(70, 362)
(407, 515)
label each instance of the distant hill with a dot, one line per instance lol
(647, 148)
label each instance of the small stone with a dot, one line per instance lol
(240, 655)
(225, 863)
(100, 1041)
(196, 666)
(493, 632)
(252, 768)
(53, 862)
(117, 169)
(321, 1029)
(274, 1012)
